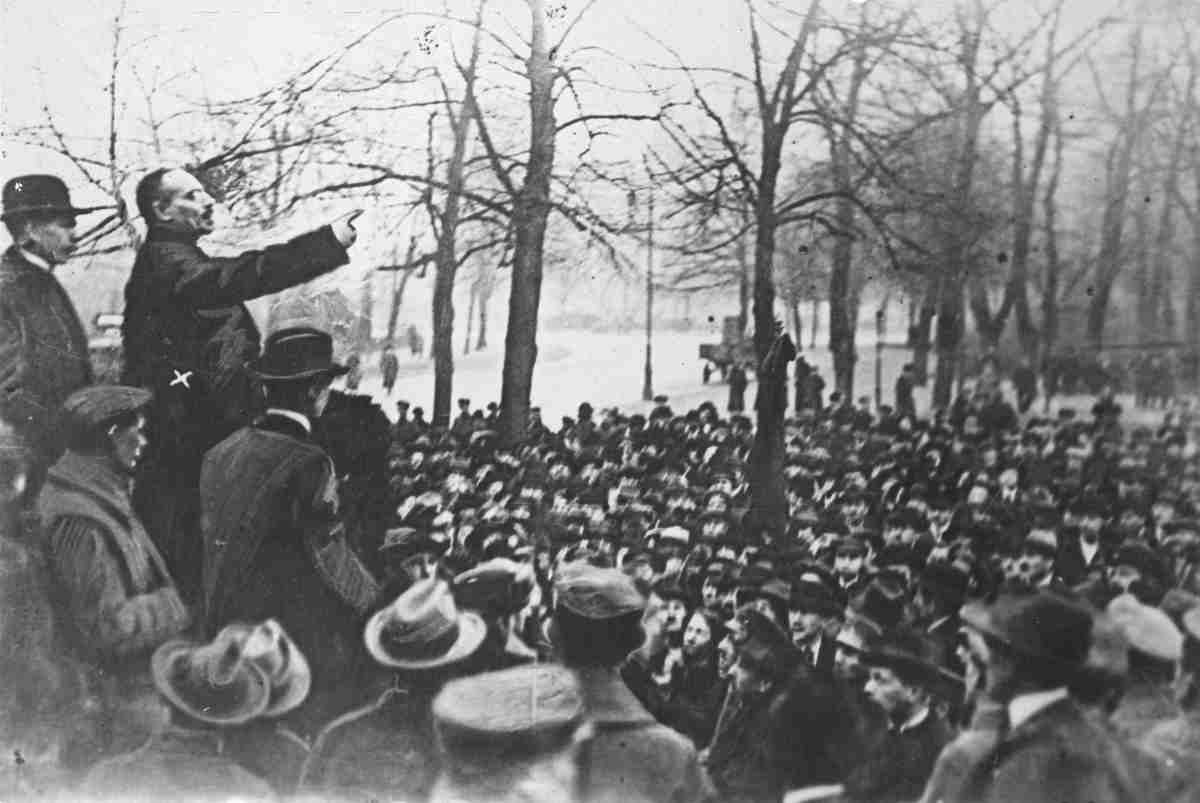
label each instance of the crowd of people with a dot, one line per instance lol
(974, 605)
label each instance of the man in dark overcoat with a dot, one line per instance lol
(1034, 644)
(43, 348)
(187, 336)
(274, 546)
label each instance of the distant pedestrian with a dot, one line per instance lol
(905, 405)
(389, 367)
(800, 379)
(737, 389)
(354, 374)
(1025, 380)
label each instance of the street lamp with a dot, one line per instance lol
(647, 369)
(880, 331)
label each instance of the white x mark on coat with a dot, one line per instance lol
(181, 378)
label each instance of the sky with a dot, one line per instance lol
(56, 55)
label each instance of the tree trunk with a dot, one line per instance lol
(921, 337)
(957, 255)
(398, 284)
(1147, 298)
(366, 313)
(446, 259)
(768, 494)
(1108, 262)
(797, 328)
(743, 285)
(531, 209)
(487, 283)
(1053, 266)
(472, 295)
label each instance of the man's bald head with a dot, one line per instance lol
(174, 197)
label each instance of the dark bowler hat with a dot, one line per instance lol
(90, 407)
(910, 655)
(514, 715)
(26, 196)
(298, 352)
(1041, 625)
(424, 629)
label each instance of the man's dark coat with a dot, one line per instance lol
(187, 336)
(43, 355)
(274, 548)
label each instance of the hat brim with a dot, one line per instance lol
(293, 690)
(471, 632)
(13, 214)
(250, 683)
(333, 370)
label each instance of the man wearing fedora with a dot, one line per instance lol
(904, 682)
(385, 749)
(187, 336)
(215, 690)
(274, 545)
(43, 346)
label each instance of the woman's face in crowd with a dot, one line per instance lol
(710, 594)
(697, 637)
(676, 613)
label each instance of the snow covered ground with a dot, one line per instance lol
(606, 369)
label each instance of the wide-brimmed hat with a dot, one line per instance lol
(271, 649)
(215, 683)
(910, 655)
(424, 629)
(298, 352)
(24, 196)
(1041, 625)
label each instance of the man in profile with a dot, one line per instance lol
(188, 337)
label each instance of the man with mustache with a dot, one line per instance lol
(43, 348)
(188, 336)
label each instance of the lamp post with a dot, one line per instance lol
(880, 331)
(648, 369)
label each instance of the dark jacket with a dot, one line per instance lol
(274, 547)
(896, 770)
(43, 353)
(1059, 754)
(184, 312)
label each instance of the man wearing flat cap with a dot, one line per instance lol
(114, 593)
(274, 544)
(43, 346)
(597, 623)
(187, 336)
(517, 735)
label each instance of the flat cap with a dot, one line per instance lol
(511, 714)
(91, 406)
(597, 593)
